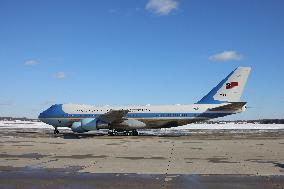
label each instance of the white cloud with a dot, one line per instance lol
(31, 62)
(60, 75)
(162, 7)
(225, 56)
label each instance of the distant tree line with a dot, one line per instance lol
(256, 121)
(267, 121)
(17, 118)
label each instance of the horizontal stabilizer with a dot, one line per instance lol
(233, 106)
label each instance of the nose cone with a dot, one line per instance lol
(40, 115)
(43, 115)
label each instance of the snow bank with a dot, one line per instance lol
(23, 124)
(229, 126)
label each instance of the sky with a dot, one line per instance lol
(120, 52)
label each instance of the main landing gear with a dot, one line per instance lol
(56, 131)
(123, 132)
(135, 133)
(110, 133)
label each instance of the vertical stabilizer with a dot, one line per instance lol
(229, 89)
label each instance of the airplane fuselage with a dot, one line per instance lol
(149, 116)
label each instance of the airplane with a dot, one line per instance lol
(222, 100)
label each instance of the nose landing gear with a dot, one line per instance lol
(56, 131)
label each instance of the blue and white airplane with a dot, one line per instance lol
(222, 100)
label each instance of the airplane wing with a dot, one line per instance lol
(232, 106)
(113, 116)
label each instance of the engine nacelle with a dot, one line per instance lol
(77, 128)
(89, 124)
(85, 125)
(133, 124)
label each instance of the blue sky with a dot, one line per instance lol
(138, 52)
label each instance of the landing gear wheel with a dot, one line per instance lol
(56, 131)
(110, 133)
(134, 133)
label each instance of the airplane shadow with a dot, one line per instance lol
(79, 136)
(71, 135)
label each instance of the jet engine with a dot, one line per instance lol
(85, 125)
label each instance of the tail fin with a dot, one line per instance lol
(229, 89)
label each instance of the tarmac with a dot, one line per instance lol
(36, 158)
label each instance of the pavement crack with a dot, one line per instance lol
(168, 178)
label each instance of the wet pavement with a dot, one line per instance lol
(68, 178)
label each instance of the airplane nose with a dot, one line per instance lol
(43, 115)
(40, 116)
(53, 111)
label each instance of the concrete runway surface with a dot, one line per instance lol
(35, 158)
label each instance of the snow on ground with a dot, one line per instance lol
(24, 124)
(229, 126)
